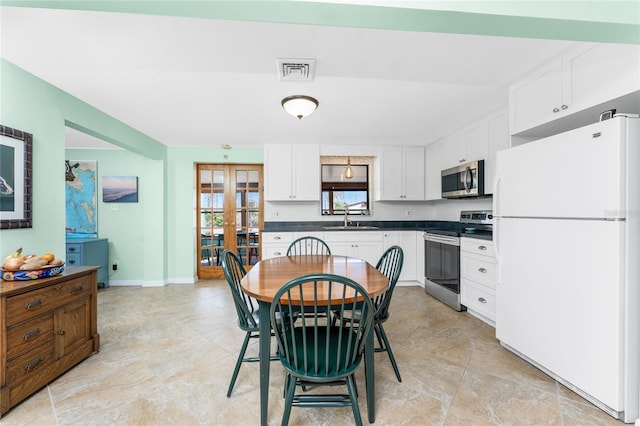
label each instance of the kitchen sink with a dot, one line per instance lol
(348, 228)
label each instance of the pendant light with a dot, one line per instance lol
(299, 105)
(348, 172)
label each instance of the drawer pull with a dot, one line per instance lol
(482, 247)
(34, 364)
(77, 289)
(277, 253)
(30, 335)
(34, 305)
(483, 270)
(482, 300)
(71, 261)
(276, 238)
(72, 249)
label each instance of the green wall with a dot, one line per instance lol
(33, 105)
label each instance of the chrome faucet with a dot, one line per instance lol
(346, 216)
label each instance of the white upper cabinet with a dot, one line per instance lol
(291, 172)
(583, 77)
(400, 174)
(435, 164)
(478, 141)
(469, 144)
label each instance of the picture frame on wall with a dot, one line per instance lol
(119, 189)
(16, 178)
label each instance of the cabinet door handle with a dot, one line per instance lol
(556, 110)
(462, 160)
(34, 364)
(482, 247)
(77, 289)
(563, 107)
(482, 300)
(30, 335)
(484, 271)
(62, 332)
(34, 304)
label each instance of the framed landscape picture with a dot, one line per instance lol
(16, 176)
(120, 189)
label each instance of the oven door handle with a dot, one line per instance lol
(452, 241)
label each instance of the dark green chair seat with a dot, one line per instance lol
(312, 350)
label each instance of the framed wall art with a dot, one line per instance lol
(81, 198)
(16, 178)
(119, 189)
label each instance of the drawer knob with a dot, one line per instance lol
(483, 270)
(34, 305)
(62, 332)
(482, 300)
(482, 247)
(34, 364)
(30, 335)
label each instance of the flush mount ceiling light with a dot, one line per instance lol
(299, 105)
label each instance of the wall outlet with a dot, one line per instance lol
(115, 265)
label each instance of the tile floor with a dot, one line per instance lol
(167, 354)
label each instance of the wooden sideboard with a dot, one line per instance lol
(47, 326)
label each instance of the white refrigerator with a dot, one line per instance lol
(567, 236)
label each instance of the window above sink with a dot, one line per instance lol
(340, 193)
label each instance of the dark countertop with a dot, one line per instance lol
(386, 225)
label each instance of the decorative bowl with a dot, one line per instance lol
(34, 274)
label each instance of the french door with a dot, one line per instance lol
(230, 206)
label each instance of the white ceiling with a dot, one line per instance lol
(207, 82)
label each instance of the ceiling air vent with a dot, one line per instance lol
(296, 69)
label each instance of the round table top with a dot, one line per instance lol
(266, 277)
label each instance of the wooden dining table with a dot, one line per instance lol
(267, 276)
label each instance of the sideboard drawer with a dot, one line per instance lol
(31, 362)
(29, 305)
(24, 337)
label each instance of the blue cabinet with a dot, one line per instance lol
(90, 252)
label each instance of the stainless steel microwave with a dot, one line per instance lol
(465, 180)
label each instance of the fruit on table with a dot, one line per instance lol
(12, 263)
(16, 262)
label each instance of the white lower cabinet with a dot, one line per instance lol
(478, 278)
(407, 241)
(275, 244)
(367, 245)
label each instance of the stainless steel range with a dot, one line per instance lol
(442, 256)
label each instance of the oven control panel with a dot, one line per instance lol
(478, 217)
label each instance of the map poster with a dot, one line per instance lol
(81, 198)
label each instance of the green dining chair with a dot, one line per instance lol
(390, 265)
(246, 309)
(308, 245)
(314, 351)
